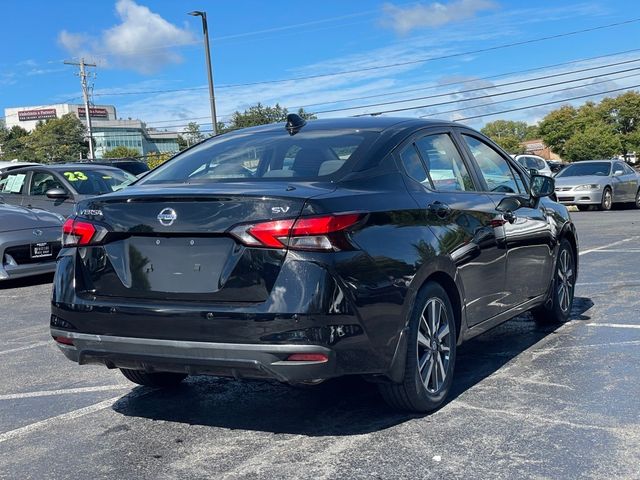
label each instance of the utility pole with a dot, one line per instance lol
(85, 96)
(207, 54)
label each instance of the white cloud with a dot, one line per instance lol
(405, 19)
(143, 41)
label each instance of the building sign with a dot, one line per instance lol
(40, 114)
(94, 112)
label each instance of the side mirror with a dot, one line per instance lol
(57, 194)
(617, 173)
(542, 186)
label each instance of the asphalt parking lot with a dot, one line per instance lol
(528, 402)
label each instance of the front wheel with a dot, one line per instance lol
(156, 379)
(563, 287)
(607, 199)
(431, 354)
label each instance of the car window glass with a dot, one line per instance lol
(269, 155)
(521, 180)
(41, 182)
(618, 166)
(12, 183)
(627, 169)
(494, 168)
(413, 166)
(602, 169)
(444, 163)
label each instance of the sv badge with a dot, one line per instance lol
(280, 209)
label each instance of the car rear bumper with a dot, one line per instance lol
(23, 238)
(198, 358)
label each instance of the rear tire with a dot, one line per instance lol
(607, 200)
(430, 358)
(158, 379)
(636, 204)
(563, 288)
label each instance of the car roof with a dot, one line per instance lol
(67, 166)
(371, 123)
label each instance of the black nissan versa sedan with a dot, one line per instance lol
(306, 251)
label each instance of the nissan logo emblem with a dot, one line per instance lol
(167, 216)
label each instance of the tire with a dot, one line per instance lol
(436, 354)
(158, 379)
(563, 289)
(636, 204)
(607, 200)
(583, 208)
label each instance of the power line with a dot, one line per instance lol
(414, 62)
(548, 103)
(558, 90)
(500, 85)
(449, 102)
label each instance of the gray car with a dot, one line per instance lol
(57, 188)
(29, 241)
(598, 183)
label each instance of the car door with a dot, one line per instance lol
(528, 234)
(40, 183)
(13, 186)
(634, 183)
(461, 218)
(626, 183)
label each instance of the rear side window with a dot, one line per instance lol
(494, 168)
(444, 163)
(12, 183)
(413, 165)
(310, 154)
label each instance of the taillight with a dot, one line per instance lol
(77, 233)
(322, 233)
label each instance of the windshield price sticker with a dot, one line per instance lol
(75, 176)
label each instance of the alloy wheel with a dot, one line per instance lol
(564, 284)
(434, 345)
(607, 200)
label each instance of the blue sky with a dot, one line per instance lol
(150, 46)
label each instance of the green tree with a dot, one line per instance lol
(622, 113)
(121, 152)
(511, 144)
(156, 158)
(58, 139)
(594, 141)
(557, 127)
(506, 128)
(13, 144)
(192, 133)
(262, 115)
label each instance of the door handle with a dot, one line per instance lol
(439, 209)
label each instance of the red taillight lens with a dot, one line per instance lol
(63, 340)
(77, 233)
(323, 233)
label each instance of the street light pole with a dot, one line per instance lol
(212, 98)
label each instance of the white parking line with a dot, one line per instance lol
(616, 250)
(26, 347)
(613, 325)
(59, 418)
(64, 391)
(603, 247)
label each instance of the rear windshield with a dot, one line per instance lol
(307, 155)
(97, 181)
(592, 168)
(532, 163)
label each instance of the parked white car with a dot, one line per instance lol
(533, 162)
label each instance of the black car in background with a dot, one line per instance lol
(368, 246)
(131, 165)
(58, 187)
